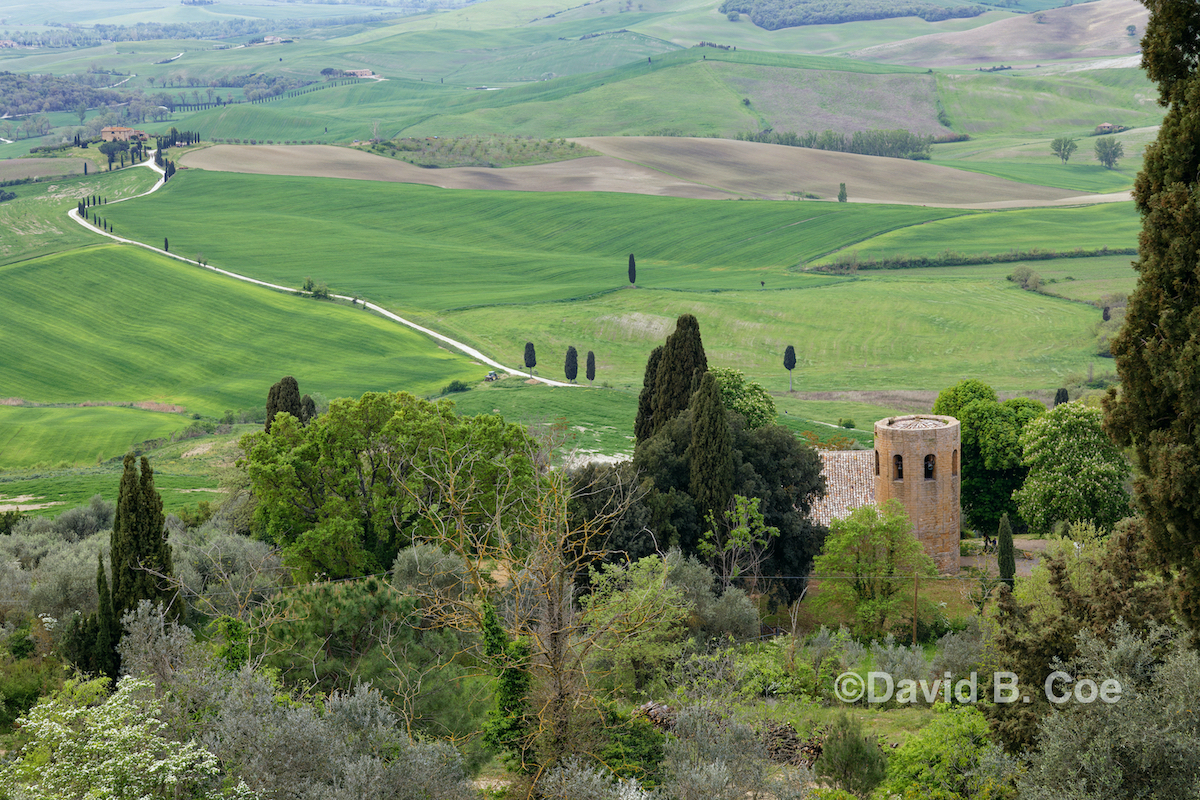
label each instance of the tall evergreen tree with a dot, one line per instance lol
(571, 367)
(530, 358)
(710, 454)
(591, 366)
(138, 546)
(632, 270)
(308, 409)
(1006, 558)
(284, 396)
(643, 425)
(1061, 396)
(682, 364)
(789, 363)
(108, 631)
(166, 244)
(1158, 349)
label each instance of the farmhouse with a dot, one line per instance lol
(116, 133)
(359, 73)
(916, 461)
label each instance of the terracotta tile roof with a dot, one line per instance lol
(849, 483)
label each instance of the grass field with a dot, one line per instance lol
(1063, 229)
(36, 222)
(876, 332)
(115, 323)
(453, 249)
(54, 436)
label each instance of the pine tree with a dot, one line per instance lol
(643, 425)
(1005, 555)
(710, 454)
(571, 367)
(1158, 348)
(1061, 396)
(530, 358)
(789, 363)
(138, 546)
(682, 364)
(591, 366)
(105, 659)
(632, 270)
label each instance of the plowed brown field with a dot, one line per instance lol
(677, 167)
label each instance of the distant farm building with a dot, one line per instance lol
(272, 40)
(116, 133)
(1105, 127)
(359, 73)
(7, 43)
(916, 461)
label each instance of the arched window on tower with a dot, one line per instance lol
(954, 464)
(930, 462)
(876, 463)
(897, 468)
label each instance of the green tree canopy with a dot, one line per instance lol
(710, 453)
(139, 551)
(745, 397)
(991, 468)
(1108, 151)
(873, 550)
(789, 363)
(1063, 147)
(343, 495)
(1076, 473)
(571, 365)
(284, 397)
(1158, 349)
(679, 369)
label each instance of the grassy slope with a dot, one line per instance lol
(518, 255)
(1113, 225)
(117, 323)
(36, 222)
(31, 436)
(426, 250)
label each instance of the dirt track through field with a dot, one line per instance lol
(675, 167)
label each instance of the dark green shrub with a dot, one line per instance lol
(850, 759)
(456, 386)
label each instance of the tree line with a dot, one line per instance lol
(776, 14)
(891, 144)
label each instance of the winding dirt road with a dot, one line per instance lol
(462, 348)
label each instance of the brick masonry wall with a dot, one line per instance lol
(933, 503)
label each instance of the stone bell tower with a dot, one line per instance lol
(917, 463)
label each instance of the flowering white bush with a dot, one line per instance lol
(84, 744)
(1076, 473)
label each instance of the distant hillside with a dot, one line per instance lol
(776, 14)
(1089, 30)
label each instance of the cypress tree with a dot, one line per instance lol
(643, 425)
(789, 363)
(284, 396)
(1005, 555)
(683, 363)
(632, 270)
(530, 358)
(1060, 397)
(138, 547)
(571, 367)
(1158, 348)
(591, 366)
(308, 409)
(108, 632)
(710, 453)
(166, 245)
